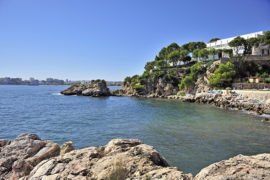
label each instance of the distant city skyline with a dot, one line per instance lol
(84, 40)
(48, 81)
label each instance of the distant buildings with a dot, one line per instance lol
(224, 44)
(114, 83)
(49, 81)
(31, 81)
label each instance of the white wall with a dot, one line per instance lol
(224, 43)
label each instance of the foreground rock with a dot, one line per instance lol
(30, 158)
(119, 159)
(18, 157)
(239, 167)
(94, 88)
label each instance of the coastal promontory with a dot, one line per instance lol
(94, 88)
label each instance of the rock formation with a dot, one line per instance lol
(162, 86)
(30, 158)
(94, 88)
(239, 167)
(18, 157)
(119, 159)
(225, 102)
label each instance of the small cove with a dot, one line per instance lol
(190, 136)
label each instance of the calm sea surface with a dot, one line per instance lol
(189, 136)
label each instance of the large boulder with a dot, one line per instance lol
(119, 159)
(94, 88)
(19, 156)
(239, 167)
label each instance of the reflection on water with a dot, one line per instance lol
(189, 136)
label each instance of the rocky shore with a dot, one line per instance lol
(29, 158)
(226, 102)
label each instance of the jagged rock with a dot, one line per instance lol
(131, 159)
(211, 70)
(30, 158)
(265, 120)
(3, 142)
(19, 156)
(66, 147)
(266, 110)
(117, 92)
(239, 167)
(94, 88)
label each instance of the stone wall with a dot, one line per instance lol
(250, 85)
(259, 60)
(253, 94)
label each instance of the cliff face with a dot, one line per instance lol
(154, 87)
(167, 84)
(202, 83)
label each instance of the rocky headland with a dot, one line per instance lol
(95, 88)
(167, 87)
(29, 158)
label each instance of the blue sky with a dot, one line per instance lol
(90, 39)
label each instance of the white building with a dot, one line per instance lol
(224, 43)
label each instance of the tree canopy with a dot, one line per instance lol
(191, 46)
(173, 47)
(222, 76)
(266, 38)
(214, 40)
(237, 43)
(174, 57)
(212, 51)
(195, 53)
(203, 53)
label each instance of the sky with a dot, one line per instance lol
(105, 39)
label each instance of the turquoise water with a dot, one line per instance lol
(189, 136)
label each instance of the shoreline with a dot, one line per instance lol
(219, 101)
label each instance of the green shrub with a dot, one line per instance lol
(142, 80)
(222, 76)
(187, 71)
(171, 74)
(197, 69)
(187, 83)
(267, 80)
(118, 172)
(127, 80)
(158, 74)
(139, 88)
(181, 93)
(209, 63)
(264, 75)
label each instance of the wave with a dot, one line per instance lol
(57, 94)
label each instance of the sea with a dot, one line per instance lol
(189, 136)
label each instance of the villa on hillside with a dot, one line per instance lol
(224, 44)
